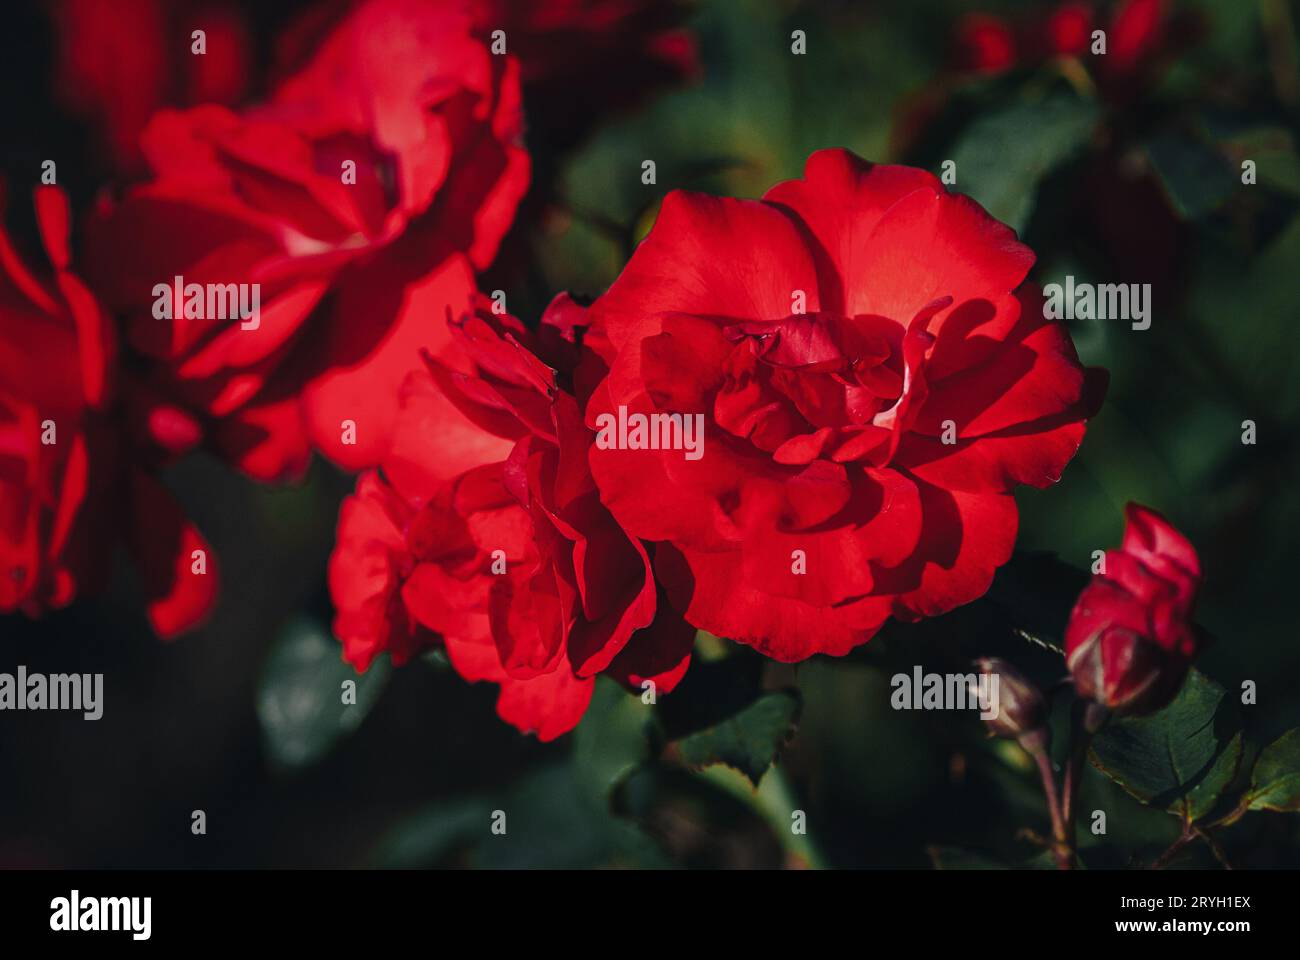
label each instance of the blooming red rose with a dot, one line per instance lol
(1130, 637)
(71, 483)
(359, 200)
(873, 381)
(484, 531)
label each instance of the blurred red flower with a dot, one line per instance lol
(874, 381)
(120, 62)
(606, 55)
(1138, 39)
(360, 199)
(1068, 29)
(1130, 639)
(484, 532)
(1120, 207)
(1138, 29)
(984, 43)
(72, 482)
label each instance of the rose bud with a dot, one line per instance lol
(1017, 707)
(1130, 638)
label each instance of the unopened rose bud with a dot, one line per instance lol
(1018, 709)
(1125, 672)
(1130, 638)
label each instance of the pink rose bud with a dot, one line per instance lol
(1021, 708)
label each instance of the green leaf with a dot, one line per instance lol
(548, 819)
(1275, 781)
(551, 822)
(612, 739)
(1273, 150)
(720, 713)
(749, 740)
(1180, 759)
(955, 858)
(427, 837)
(1196, 177)
(300, 697)
(776, 803)
(1261, 292)
(1005, 155)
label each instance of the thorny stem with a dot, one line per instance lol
(1073, 773)
(1162, 861)
(1037, 640)
(1191, 832)
(1213, 844)
(1233, 815)
(1061, 844)
(1085, 720)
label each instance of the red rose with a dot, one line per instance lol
(359, 200)
(1143, 38)
(1069, 29)
(873, 382)
(606, 54)
(71, 483)
(484, 529)
(1140, 35)
(1137, 30)
(1130, 637)
(984, 44)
